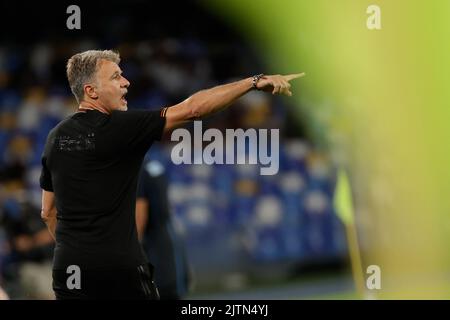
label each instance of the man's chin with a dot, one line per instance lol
(123, 107)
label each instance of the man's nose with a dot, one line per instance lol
(126, 83)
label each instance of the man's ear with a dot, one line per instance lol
(89, 90)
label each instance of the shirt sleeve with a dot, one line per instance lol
(138, 129)
(141, 192)
(45, 180)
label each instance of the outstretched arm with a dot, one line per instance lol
(209, 101)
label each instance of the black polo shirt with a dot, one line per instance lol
(91, 162)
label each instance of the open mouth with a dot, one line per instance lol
(123, 98)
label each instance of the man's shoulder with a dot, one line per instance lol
(134, 113)
(61, 125)
(135, 118)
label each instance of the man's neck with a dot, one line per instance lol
(86, 105)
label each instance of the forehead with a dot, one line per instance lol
(108, 67)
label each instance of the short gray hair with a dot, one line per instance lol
(81, 68)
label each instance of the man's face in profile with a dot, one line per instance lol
(111, 86)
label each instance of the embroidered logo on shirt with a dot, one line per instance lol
(78, 143)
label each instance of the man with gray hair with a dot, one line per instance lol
(90, 167)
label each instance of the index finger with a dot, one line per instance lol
(290, 77)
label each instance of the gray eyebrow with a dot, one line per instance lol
(115, 72)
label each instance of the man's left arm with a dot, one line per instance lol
(209, 101)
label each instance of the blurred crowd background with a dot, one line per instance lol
(374, 106)
(239, 228)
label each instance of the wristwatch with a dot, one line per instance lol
(255, 80)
